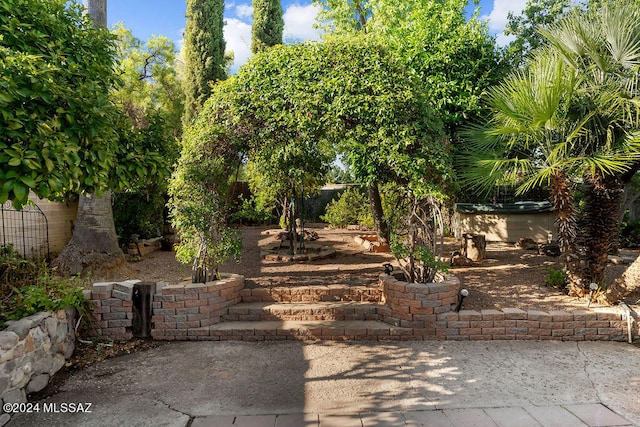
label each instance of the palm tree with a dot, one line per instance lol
(569, 119)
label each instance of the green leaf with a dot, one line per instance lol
(28, 181)
(21, 192)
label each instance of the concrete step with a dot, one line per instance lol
(333, 330)
(339, 310)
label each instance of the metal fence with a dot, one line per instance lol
(27, 230)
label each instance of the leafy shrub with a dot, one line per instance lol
(28, 287)
(250, 211)
(351, 208)
(421, 264)
(629, 232)
(556, 278)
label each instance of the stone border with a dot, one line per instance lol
(597, 324)
(429, 309)
(312, 293)
(33, 349)
(370, 243)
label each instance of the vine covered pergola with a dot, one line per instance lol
(289, 111)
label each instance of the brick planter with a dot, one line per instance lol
(417, 305)
(189, 306)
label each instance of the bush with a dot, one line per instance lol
(556, 278)
(28, 287)
(351, 208)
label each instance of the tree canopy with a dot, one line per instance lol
(57, 123)
(204, 52)
(292, 106)
(455, 56)
(268, 24)
(570, 118)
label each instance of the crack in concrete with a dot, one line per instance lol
(191, 417)
(585, 368)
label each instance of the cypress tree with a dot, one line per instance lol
(267, 25)
(204, 48)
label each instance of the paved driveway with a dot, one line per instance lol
(362, 384)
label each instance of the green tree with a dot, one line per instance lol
(571, 118)
(525, 26)
(454, 57)
(349, 95)
(199, 189)
(204, 52)
(267, 27)
(151, 95)
(57, 121)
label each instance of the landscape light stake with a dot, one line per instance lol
(592, 288)
(463, 294)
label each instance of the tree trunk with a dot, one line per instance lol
(94, 244)
(375, 201)
(566, 219)
(474, 246)
(602, 197)
(97, 9)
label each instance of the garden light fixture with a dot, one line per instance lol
(463, 294)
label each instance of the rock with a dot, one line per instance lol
(15, 396)
(617, 260)
(549, 249)
(4, 383)
(37, 383)
(527, 243)
(51, 324)
(4, 419)
(8, 340)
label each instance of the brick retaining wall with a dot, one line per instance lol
(412, 311)
(417, 305)
(430, 310)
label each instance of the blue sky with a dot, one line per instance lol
(166, 17)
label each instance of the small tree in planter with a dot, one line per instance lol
(414, 245)
(199, 201)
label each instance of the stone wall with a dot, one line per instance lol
(32, 350)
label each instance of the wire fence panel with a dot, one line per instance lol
(27, 230)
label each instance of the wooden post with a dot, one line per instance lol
(474, 246)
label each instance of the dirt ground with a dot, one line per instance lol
(507, 277)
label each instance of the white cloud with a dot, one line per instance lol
(244, 11)
(237, 35)
(501, 8)
(298, 23)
